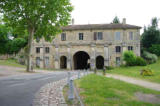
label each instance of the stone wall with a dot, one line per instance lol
(105, 47)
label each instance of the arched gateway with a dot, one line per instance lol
(80, 60)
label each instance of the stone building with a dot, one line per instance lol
(87, 46)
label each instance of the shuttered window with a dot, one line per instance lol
(118, 35)
(98, 35)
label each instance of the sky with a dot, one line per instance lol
(136, 12)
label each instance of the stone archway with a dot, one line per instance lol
(63, 62)
(99, 62)
(80, 60)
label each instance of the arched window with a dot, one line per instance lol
(63, 62)
(99, 62)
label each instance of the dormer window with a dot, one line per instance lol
(63, 37)
(80, 36)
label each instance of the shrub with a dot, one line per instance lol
(109, 67)
(155, 49)
(130, 58)
(151, 58)
(140, 61)
(147, 72)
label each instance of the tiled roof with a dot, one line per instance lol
(99, 26)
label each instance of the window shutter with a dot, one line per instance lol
(102, 35)
(95, 35)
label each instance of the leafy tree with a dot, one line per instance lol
(4, 38)
(40, 18)
(151, 35)
(155, 49)
(17, 44)
(116, 20)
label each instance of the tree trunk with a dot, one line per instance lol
(30, 40)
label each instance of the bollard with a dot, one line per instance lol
(69, 75)
(104, 71)
(87, 72)
(71, 90)
(84, 72)
(78, 74)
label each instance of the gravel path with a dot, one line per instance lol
(146, 84)
(51, 94)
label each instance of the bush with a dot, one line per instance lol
(109, 68)
(155, 49)
(147, 72)
(140, 61)
(130, 58)
(149, 57)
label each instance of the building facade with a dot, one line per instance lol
(87, 46)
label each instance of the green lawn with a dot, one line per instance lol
(135, 72)
(10, 62)
(101, 91)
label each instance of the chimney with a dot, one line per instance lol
(124, 21)
(72, 21)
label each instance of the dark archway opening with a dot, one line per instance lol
(63, 62)
(81, 60)
(99, 62)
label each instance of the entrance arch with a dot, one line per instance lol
(63, 62)
(99, 62)
(81, 60)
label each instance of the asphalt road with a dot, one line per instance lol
(20, 90)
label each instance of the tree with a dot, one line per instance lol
(4, 38)
(116, 20)
(151, 35)
(40, 18)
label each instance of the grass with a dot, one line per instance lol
(135, 72)
(101, 91)
(11, 62)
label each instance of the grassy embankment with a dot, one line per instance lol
(11, 62)
(101, 91)
(135, 72)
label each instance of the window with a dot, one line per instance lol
(80, 36)
(47, 49)
(63, 36)
(118, 49)
(46, 61)
(37, 49)
(98, 35)
(37, 61)
(130, 35)
(118, 61)
(130, 47)
(118, 36)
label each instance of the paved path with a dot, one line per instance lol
(19, 90)
(146, 84)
